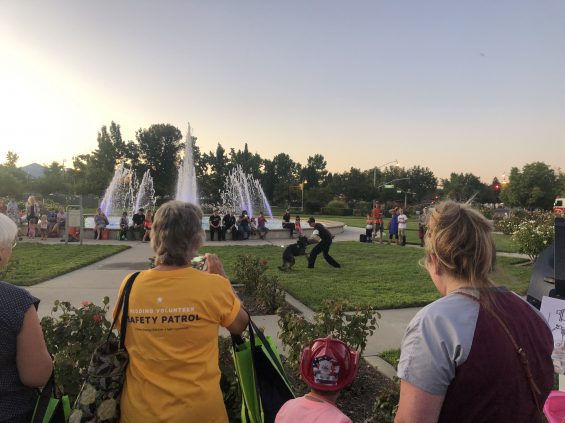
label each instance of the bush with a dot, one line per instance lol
(337, 212)
(386, 407)
(264, 289)
(353, 328)
(313, 206)
(336, 204)
(71, 339)
(535, 234)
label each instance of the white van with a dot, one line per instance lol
(559, 206)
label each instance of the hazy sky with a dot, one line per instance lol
(465, 86)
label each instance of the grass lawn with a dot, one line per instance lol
(379, 276)
(504, 243)
(32, 263)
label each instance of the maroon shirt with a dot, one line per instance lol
(491, 386)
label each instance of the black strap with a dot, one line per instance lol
(274, 357)
(522, 356)
(123, 307)
(43, 401)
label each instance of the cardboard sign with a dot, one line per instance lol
(553, 310)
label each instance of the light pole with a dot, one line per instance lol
(302, 192)
(378, 167)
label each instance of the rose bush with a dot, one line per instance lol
(71, 334)
(534, 234)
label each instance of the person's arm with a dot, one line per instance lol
(32, 358)
(242, 319)
(417, 405)
(240, 323)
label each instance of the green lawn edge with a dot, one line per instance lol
(33, 263)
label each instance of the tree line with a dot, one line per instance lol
(159, 149)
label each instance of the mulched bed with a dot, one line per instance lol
(358, 400)
(254, 307)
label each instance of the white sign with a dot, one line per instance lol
(74, 218)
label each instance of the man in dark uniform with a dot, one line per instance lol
(137, 230)
(216, 225)
(321, 247)
(229, 226)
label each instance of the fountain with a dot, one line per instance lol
(186, 184)
(244, 192)
(120, 193)
(124, 194)
(145, 194)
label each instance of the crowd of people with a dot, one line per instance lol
(479, 353)
(36, 220)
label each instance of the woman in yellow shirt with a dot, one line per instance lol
(173, 320)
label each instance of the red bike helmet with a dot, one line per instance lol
(328, 364)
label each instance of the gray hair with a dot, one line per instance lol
(176, 233)
(8, 231)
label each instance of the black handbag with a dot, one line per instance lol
(99, 396)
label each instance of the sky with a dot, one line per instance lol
(456, 86)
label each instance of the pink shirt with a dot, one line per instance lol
(305, 410)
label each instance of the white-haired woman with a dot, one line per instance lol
(175, 312)
(24, 361)
(480, 353)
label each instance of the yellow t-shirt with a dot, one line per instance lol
(172, 341)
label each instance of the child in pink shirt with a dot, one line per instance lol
(327, 366)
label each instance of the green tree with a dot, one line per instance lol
(422, 182)
(11, 159)
(250, 163)
(352, 185)
(159, 151)
(9, 183)
(315, 171)
(283, 172)
(217, 165)
(463, 187)
(534, 187)
(13, 181)
(92, 172)
(52, 181)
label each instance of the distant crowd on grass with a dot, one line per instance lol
(34, 220)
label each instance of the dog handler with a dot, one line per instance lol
(321, 247)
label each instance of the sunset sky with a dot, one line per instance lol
(457, 86)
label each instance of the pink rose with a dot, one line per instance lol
(97, 318)
(84, 302)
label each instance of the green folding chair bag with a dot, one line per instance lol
(264, 385)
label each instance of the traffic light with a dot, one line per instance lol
(496, 188)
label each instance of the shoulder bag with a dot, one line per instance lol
(99, 397)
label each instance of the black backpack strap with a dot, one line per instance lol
(122, 308)
(43, 400)
(274, 357)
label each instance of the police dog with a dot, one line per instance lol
(293, 250)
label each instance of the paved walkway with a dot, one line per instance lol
(103, 278)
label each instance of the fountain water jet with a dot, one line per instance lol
(244, 192)
(120, 193)
(186, 184)
(145, 194)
